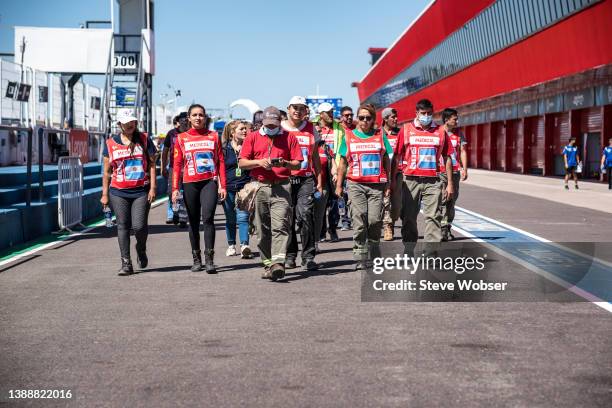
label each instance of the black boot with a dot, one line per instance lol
(209, 265)
(197, 260)
(141, 257)
(126, 267)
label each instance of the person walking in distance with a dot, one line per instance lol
(571, 159)
(199, 161)
(420, 146)
(305, 181)
(365, 162)
(129, 162)
(458, 154)
(606, 162)
(393, 202)
(232, 139)
(270, 154)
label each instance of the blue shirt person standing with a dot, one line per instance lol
(606, 162)
(571, 159)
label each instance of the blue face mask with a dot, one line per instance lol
(425, 120)
(271, 132)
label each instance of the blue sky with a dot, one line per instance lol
(219, 51)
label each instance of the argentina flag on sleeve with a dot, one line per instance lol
(134, 170)
(370, 164)
(204, 162)
(427, 158)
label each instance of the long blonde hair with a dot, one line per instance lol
(228, 130)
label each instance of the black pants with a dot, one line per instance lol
(303, 217)
(201, 200)
(132, 214)
(609, 172)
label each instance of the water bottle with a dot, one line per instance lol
(317, 194)
(341, 206)
(108, 216)
(177, 205)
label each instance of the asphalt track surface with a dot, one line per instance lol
(170, 337)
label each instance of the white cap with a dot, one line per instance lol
(126, 116)
(325, 107)
(297, 100)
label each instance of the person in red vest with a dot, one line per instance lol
(392, 202)
(421, 146)
(198, 154)
(458, 154)
(129, 162)
(304, 183)
(364, 160)
(271, 154)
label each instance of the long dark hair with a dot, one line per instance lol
(136, 140)
(194, 106)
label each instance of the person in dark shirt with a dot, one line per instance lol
(180, 125)
(231, 141)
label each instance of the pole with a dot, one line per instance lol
(29, 170)
(41, 179)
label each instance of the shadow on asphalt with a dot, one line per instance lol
(19, 262)
(326, 269)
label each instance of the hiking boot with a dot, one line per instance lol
(388, 234)
(175, 219)
(209, 265)
(197, 260)
(126, 267)
(231, 250)
(141, 259)
(576, 187)
(566, 187)
(444, 234)
(333, 236)
(169, 221)
(360, 266)
(266, 273)
(183, 224)
(290, 264)
(246, 252)
(451, 237)
(310, 265)
(277, 271)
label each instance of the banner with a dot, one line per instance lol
(78, 144)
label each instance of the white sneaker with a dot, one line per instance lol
(231, 250)
(245, 251)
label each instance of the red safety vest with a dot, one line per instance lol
(328, 136)
(198, 155)
(365, 158)
(392, 138)
(305, 138)
(423, 150)
(455, 140)
(130, 168)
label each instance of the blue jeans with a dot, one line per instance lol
(235, 216)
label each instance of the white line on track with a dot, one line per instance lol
(580, 292)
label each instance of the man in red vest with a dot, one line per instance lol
(421, 146)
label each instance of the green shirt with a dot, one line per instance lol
(361, 135)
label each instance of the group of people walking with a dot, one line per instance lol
(306, 178)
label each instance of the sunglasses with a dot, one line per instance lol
(348, 115)
(365, 118)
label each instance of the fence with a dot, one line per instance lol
(70, 192)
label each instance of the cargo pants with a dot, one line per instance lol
(366, 207)
(428, 192)
(447, 207)
(272, 220)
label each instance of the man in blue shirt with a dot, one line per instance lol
(606, 162)
(571, 159)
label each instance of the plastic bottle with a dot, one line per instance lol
(341, 206)
(108, 216)
(177, 204)
(317, 194)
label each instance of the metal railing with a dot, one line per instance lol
(28, 159)
(69, 192)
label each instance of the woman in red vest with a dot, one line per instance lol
(129, 162)
(365, 163)
(198, 159)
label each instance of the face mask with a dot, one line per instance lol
(425, 120)
(271, 132)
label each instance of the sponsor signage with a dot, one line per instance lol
(78, 144)
(43, 94)
(125, 97)
(603, 95)
(584, 98)
(313, 104)
(510, 112)
(551, 105)
(125, 61)
(11, 90)
(528, 109)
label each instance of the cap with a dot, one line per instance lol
(297, 100)
(126, 116)
(325, 107)
(388, 112)
(271, 116)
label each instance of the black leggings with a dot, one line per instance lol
(132, 214)
(201, 200)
